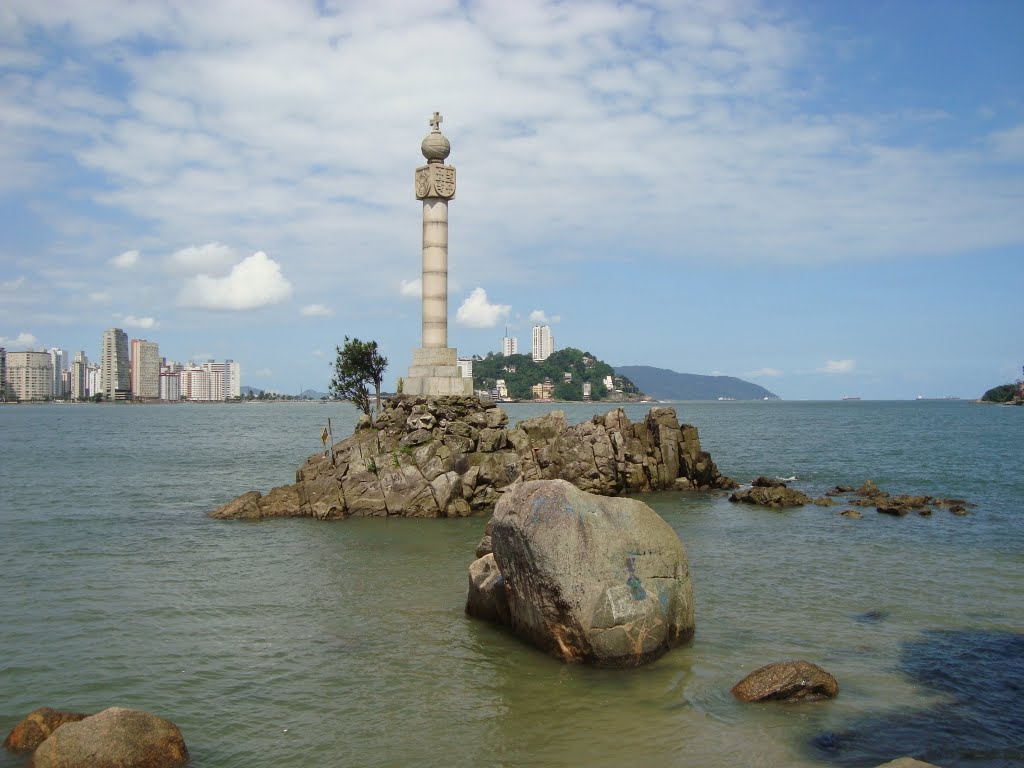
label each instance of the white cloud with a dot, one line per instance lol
(131, 321)
(263, 373)
(412, 289)
(837, 366)
(716, 95)
(317, 310)
(16, 343)
(254, 282)
(540, 317)
(209, 259)
(764, 372)
(318, 353)
(100, 297)
(125, 260)
(477, 312)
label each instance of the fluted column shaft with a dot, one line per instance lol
(435, 272)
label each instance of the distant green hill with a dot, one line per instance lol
(664, 384)
(521, 372)
(1004, 393)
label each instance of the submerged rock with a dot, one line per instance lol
(456, 456)
(852, 514)
(839, 490)
(771, 496)
(37, 727)
(787, 681)
(902, 505)
(114, 738)
(586, 578)
(869, 489)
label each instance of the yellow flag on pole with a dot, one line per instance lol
(323, 436)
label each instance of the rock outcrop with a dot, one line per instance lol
(113, 738)
(583, 577)
(775, 495)
(37, 727)
(787, 681)
(455, 456)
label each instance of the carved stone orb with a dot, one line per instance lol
(435, 147)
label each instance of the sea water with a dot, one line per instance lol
(299, 643)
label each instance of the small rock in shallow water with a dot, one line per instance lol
(787, 681)
(852, 514)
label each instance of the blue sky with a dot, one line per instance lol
(823, 198)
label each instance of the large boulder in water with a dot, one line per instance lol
(114, 738)
(37, 727)
(787, 681)
(591, 578)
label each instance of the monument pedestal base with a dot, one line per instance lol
(434, 373)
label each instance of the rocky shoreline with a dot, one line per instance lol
(456, 456)
(776, 494)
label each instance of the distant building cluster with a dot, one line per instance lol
(543, 343)
(128, 370)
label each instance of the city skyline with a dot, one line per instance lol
(821, 199)
(124, 370)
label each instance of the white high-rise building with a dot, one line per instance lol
(170, 381)
(543, 342)
(116, 384)
(80, 376)
(3, 374)
(59, 361)
(170, 385)
(233, 383)
(145, 369)
(93, 379)
(509, 345)
(29, 376)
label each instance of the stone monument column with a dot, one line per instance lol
(434, 371)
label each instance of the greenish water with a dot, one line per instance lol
(296, 643)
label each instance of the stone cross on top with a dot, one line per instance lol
(435, 121)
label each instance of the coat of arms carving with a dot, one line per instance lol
(444, 180)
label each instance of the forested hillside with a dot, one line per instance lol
(520, 373)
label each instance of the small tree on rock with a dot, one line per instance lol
(357, 364)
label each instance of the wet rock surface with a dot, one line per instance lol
(775, 493)
(776, 496)
(456, 456)
(787, 681)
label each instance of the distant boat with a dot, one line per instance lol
(947, 397)
(851, 397)
(727, 398)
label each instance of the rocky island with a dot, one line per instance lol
(455, 456)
